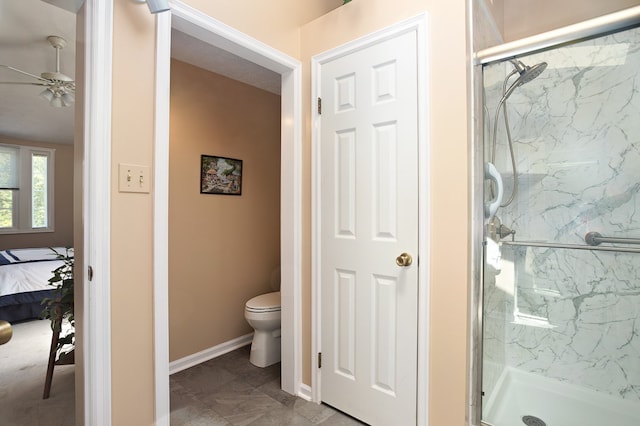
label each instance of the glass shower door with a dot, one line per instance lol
(561, 302)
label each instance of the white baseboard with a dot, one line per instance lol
(207, 354)
(305, 392)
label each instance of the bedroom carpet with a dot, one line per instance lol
(23, 366)
(225, 391)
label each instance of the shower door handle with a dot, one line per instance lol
(491, 173)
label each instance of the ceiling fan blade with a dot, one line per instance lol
(37, 77)
(24, 82)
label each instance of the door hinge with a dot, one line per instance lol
(90, 273)
(319, 359)
(319, 105)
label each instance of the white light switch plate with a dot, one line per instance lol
(134, 178)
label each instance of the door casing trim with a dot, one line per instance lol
(96, 213)
(196, 23)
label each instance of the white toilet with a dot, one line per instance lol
(263, 314)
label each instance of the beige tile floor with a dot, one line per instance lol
(229, 390)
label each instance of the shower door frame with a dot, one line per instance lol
(617, 21)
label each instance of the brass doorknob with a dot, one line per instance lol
(404, 259)
(5, 332)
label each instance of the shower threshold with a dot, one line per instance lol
(519, 395)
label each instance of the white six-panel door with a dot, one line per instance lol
(368, 181)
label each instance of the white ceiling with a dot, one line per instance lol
(196, 52)
(24, 27)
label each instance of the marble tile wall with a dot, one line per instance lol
(573, 315)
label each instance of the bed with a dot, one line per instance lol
(24, 281)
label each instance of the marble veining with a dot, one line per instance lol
(571, 315)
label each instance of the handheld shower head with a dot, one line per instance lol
(527, 73)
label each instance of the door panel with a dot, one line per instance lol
(368, 217)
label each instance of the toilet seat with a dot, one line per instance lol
(269, 302)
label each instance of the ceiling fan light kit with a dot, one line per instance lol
(57, 98)
(59, 87)
(47, 95)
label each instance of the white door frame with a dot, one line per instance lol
(96, 213)
(195, 23)
(417, 24)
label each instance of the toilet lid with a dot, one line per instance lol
(268, 302)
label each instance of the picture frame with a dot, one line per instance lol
(220, 175)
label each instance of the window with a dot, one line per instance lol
(26, 189)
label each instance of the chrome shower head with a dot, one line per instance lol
(526, 72)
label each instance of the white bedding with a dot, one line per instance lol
(28, 270)
(23, 277)
(32, 254)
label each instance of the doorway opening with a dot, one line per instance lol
(207, 30)
(37, 137)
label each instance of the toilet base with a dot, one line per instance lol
(265, 348)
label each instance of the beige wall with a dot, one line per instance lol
(278, 23)
(222, 248)
(523, 18)
(488, 25)
(494, 8)
(131, 279)
(448, 170)
(63, 202)
(275, 23)
(516, 19)
(486, 32)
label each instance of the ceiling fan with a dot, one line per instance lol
(59, 88)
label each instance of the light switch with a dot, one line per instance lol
(134, 178)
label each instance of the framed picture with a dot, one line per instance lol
(220, 175)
